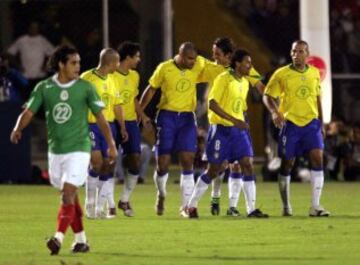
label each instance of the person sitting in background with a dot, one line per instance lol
(351, 154)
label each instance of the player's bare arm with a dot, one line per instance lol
(105, 130)
(120, 117)
(22, 122)
(277, 117)
(214, 106)
(143, 118)
(147, 96)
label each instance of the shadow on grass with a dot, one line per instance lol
(212, 257)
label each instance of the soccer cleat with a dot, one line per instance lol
(159, 206)
(257, 214)
(53, 244)
(80, 247)
(287, 212)
(232, 211)
(125, 206)
(111, 213)
(318, 212)
(192, 212)
(90, 211)
(184, 211)
(215, 206)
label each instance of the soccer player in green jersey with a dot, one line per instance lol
(299, 118)
(67, 100)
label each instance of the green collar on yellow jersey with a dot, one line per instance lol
(124, 74)
(98, 74)
(232, 72)
(291, 66)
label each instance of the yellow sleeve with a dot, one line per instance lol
(217, 90)
(205, 75)
(157, 78)
(273, 87)
(253, 76)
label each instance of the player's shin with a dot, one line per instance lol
(187, 184)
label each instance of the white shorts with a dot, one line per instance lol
(71, 168)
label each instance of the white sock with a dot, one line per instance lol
(284, 188)
(129, 186)
(317, 183)
(80, 237)
(234, 190)
(160, 183)
(250, 194)
(59, 236)
(110, 192)
(216, 185)
(91, 186)
(199, 190)
(187, 184)
(102, 196)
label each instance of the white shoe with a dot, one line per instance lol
(318, 212)
(183, 212)
(90, 211)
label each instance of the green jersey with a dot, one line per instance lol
(66, 110)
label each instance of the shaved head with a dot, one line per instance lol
(187, 47)
(108, 56)
(187, 55)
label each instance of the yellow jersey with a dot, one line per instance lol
(105, 88)
(178, 86)
(297, 91)
(230, 92)
(212, 70)
(128, 87)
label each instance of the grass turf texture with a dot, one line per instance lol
(28, 215)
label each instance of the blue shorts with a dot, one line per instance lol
(176, 132)
(98, 142)
(132, 145)
(228, 143)
(296, 141)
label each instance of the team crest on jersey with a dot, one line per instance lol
(61, 112)
(237, 105)
(183, 85)
(64, 95)
(125, 95)
(303, 92)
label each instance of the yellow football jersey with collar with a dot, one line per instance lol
(127, 86)
(178, 86)
(105, 88)
(230, 92)
(297, 91)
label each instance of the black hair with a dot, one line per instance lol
(128, 48)
(61, 54)
(225, 44)
(238, 56)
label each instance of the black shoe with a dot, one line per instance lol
(53, 245)
(232, 211)
(80, 248)
(258, 214)
(192, 212)
(215, 206)
(140, 181)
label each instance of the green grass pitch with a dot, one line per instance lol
(28, 215)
